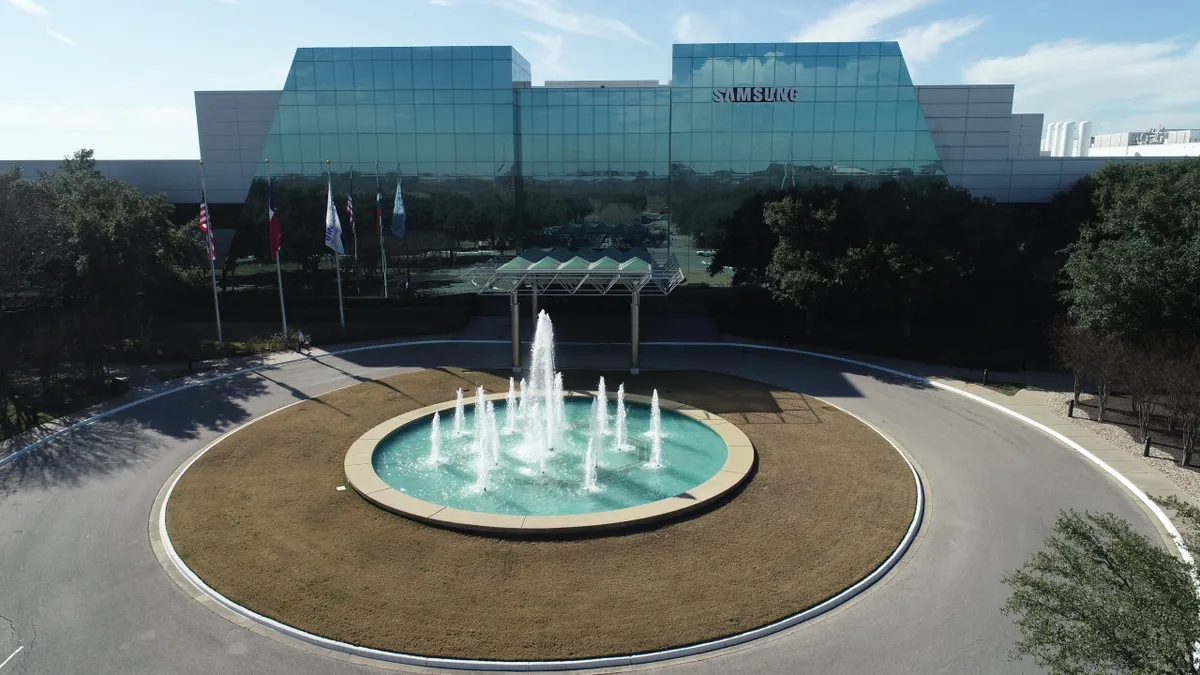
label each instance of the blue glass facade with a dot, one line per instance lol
(736, 118)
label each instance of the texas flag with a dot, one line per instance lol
(273, 216)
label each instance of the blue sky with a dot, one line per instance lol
(118, 75)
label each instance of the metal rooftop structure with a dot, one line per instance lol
(561, 272)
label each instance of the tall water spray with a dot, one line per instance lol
(589, 467)
(458, 413)
(622, 443)
(560, 408)
(510, 409)
(602, 396)
(543, 410)
(435, 439)
(493, 433)
(521, 400)
(480, 419)
(589, 458)
(655, 432)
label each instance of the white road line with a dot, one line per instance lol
(10, 656)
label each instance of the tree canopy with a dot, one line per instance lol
(1102, 598)
(1135, 268)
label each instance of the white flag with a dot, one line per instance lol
(333, 225)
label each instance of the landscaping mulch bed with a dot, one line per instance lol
(259, 519)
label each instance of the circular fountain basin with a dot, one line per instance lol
(703, 457)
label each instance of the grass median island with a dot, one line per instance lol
(259, 519)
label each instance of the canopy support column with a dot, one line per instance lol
(635, 303)
(514, 307)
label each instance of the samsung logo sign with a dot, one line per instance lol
(756, 95)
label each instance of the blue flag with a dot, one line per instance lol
(399, 218)
(333, 224)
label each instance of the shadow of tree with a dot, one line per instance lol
(134, 436)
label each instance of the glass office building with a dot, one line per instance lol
(472, 140)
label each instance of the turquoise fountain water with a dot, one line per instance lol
(538, 452)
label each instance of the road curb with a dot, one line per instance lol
(196, 588)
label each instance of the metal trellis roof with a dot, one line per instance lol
(560, 271)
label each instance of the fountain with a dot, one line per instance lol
(589, 468)
(622, 444)
(493, 434)
(435, 439)
(510, 409)
(655, 433)
(550, 456)
(458, 413)
(602, 398)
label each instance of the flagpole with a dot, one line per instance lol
(212, 256)
(407, 252)
(276, 254)
(354, 228)
(337, 264)
(383, 261)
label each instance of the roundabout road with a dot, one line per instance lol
(81, 590)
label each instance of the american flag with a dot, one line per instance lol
(350, 212)
(206, 227)
(379, 211)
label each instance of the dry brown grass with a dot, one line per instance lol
(258, 519)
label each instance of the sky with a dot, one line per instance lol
(118, 76)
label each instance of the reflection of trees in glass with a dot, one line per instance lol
(442, 216)
(904, 249)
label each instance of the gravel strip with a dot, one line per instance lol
(1165, 460)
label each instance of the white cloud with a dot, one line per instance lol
(60, 37)
(552, 14)
(693, 27)
(857, 20)
(1120, 86)
(548, 60)
(921, 43)
(228, 2)
(29, 7)
(440, 3)
(862, 20)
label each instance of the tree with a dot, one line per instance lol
(1108, 355)
(1182, 384)
(807, 265)
(1102, 598)
(1074, 347)
(1134, 269)
(123, 247)
(1142, 373)
(33, 266)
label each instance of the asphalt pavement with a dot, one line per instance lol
(81, 591)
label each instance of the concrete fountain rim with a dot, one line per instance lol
(360, 475)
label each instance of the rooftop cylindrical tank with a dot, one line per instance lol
(1064, 139)
(1085, 139)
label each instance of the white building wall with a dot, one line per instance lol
(1025, 138)
(1162, 150)
(233, 128)
(178, 179)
